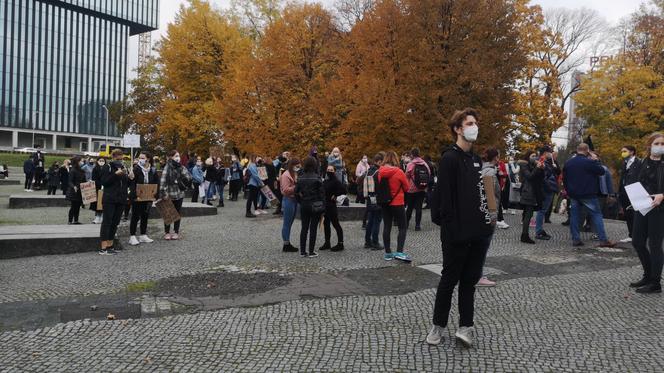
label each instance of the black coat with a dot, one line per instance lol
(64, 178)
(459, 203)
(627, 177)
(211, 174)
(333, 189)
(139, 178)
(96, 176)
(309, 190)
(76, 177)
(115, 186)
(28, 167)
(54, 177)
(532, 184)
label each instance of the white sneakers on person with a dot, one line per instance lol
(626, 240)
(485, 283)
(97, 220)
(133, 241)
(502, 225)
(435, 335)
(465, 335)
(145, 239)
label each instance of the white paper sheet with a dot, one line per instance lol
(639, 198)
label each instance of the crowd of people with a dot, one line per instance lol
(391, 188)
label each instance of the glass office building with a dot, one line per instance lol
(61, 61)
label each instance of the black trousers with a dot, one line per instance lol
(234, 189)
(176, 226)
(462, 264)
(528, 212)
(390, 213)
(74, 211)
(194, 193)
(28, 181)
(127, 208)
(39, 175)
(140, 211)
(310, 221)
(112, 215)
(253, 198)
(332, 218)
(647, 240)
(52, 190)
(629, 215)
(415, 201)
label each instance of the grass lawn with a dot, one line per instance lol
(17, 159)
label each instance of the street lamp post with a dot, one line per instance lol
(106, 109)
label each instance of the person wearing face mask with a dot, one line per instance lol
(373, 210)
(333, 189)
(197, 178)
(175, 179)
(263, 173)
(115, 182)
(549, 189)
(360, 173)
(236, 178)
(648, 231)
(581, 179)
(336, 160)
(490, 169)
(211, 176)
(140, 210)
(531, 174)
(96, 177)
(88, 166)
(629, 174)
(459, 207)
(310, 195)
(53, 178)
(287, 182)
(254, 184)
(223, 176)
(418, 174)
(76, 177)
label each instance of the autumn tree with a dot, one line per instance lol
(199, 55)
(622, 103)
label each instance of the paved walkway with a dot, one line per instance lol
(555, 309)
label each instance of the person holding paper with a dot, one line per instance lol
(648, 230)
(114, 179)
(140, 207)
(174, 180)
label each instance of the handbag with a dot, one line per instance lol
(317, 207)
(515, 193)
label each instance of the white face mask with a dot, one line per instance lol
(176, 158)
(657, 150)
(470, 133)
(141, 162)
(365, 160)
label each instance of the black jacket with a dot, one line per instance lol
(651, 175)
(28, 167)
(38, 160)
(459, 203)
(115, 186)
(309, 189)
(628, 176)
(64, 178)
(53, 177)
(139, 178)
(221, 176)
(211, 174)
(532, 184)
(76, 177)
(333, 189)
(96, 176)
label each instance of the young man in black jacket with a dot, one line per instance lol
(629, 174)
(459, 206)
(115, 179)
(333, 189)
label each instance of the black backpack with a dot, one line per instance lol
(422, 176)
(383, 193)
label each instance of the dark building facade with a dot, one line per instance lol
(61, 62)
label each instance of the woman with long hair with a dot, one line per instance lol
(395, 209)
(140, 210)
(175, 179)
(254, 184)
(311, 196)
(287, 183)
(648, 231)
(76, 177)
(531, 173)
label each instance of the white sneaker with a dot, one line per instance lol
(435, 335)
(465, 335)
(502, 225)
(512, 212)
(626, 240)
(145, 239)
(133, 241)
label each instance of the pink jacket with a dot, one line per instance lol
(410, 174)
(287, 185)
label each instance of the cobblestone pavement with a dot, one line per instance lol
(555, 308)
(573, 323)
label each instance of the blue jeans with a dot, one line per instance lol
(373, 226)
(220, 190)
(289, 208)
(211, 190)
(541, 214)
(596, 217)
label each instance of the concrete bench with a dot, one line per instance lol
(354, 212)
(20, 241)
(29, 201)
(10, 182)
(189, 210)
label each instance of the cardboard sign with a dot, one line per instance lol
(167, 211)
(262, 173)
(88, 192)
(131, 141)
(100, 195)
(490, 190)
(145, 192)
(267, 192)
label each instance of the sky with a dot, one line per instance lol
(612, 10)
